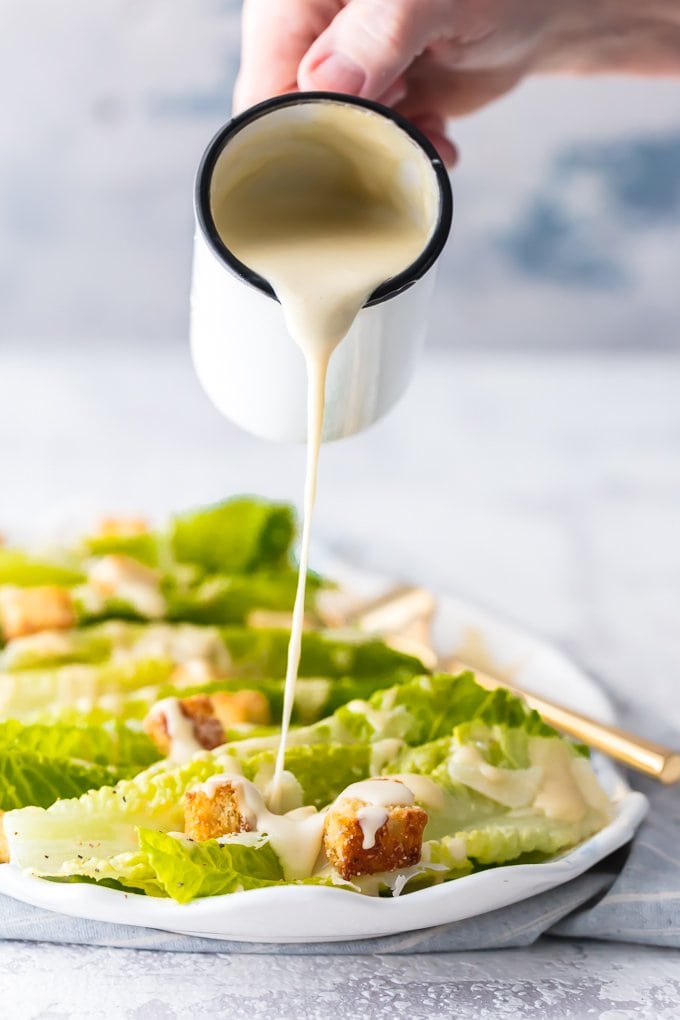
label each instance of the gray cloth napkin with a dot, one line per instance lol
(633, 896)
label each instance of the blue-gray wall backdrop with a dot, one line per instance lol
(567, 224)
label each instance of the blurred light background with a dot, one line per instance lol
(567, 224)
(534, 466)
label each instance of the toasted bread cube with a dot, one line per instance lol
(30, 610)
(396, 843)
(156, 726)
(121, 527)
(208, 731)
(209, 815)
(210, 715)
(240, 707)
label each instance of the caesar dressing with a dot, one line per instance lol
(380, 792)
(559, 795)
(297, 834)
(183, 742)
(371, 818)
(324, 213)
(557, 783)
(513, 788)
(426, 792)
(296, 837)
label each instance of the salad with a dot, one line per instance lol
(141, 688)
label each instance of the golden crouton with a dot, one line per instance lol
(396, 843)
(121, 527)
(4, 845)
(209, 815)
(240, 707)
(211, 715)
(30, 610)
(208, 731)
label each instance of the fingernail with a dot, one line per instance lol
(338, 73)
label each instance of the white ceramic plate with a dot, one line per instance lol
(311, 914)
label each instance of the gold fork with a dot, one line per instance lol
(404, 615)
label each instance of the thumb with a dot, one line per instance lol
(369, 45)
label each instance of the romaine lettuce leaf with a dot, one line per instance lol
(511, 836)
(129, 871)
(51, 649)
(429, 707)
(472, 824)
(238, 536)
(28, 694)
(187, 870)
(263, 652)
(108, 743)
(231, 598)
(103, 822)
(322, 771)
(147, 548)
(28, 777)
(17, 568)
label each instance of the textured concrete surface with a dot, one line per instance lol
(572, 981)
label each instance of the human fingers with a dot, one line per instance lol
(451, 91)
(433, 126)
(275, 35)
(369, 44)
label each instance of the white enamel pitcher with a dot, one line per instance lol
(247, 363)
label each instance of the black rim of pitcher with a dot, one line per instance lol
(396, 284)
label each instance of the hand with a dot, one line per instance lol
(432, 59)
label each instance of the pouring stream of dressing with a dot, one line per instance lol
(325, 213)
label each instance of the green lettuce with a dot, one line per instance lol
(148, 548)
(41, 651)
(28, 694)
(107, 743)
(322, 771)
(42, 763)
(110, 667)
(21, 570)
(186, 870)
(508, 837)
(28, 777)
(238, 536)
(231, 598)
(103, 822)
(429, 707)
(485, 751)
(263, 652)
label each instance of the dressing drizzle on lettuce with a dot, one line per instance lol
(169, 613)
(434, 726)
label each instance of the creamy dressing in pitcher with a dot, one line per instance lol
(325, 206)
